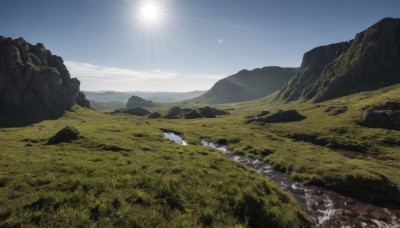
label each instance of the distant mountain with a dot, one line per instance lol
(34, 83)
(370, 61)
(160, 97)
(246, 85)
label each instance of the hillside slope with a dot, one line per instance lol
(246, 85)
(370, 61)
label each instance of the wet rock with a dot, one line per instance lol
(154, 115)
(174, 113)
(364, 218)
(207, 112)
(297, 190)
(192, 115)
(263, 113)
(347, 213)
(66, 134)
(379, 215)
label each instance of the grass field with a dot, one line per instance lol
(123, 173)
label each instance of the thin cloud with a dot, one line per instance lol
(96, 77)
(87, 70)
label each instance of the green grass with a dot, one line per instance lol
(122, 173)
(367, 164)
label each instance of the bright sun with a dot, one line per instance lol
(150, 12)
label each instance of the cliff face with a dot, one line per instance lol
(370, 61)
(33, 81)
(246, 85)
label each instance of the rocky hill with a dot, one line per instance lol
(33, 82)
(246, 85)
(135, 101)
(370, 61)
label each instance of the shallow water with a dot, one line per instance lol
(326, 208)
(174, 138)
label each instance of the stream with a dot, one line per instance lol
(326, 208)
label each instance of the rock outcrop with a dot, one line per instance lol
(279, 117)
(138, 111)
(207, 112)
(135, 101)
(66, 134)
(192, 115)
(386, 115)
(154, 115)
(34, 83)
(370, 61)
(188, 113)
(174, 113)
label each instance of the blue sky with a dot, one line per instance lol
(106, 44)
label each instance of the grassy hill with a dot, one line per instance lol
(326, 149)
(122, 172)
(246, 85)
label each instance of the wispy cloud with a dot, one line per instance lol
(96, 77)
(87, 70)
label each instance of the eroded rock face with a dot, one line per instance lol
(33, 81)
(370, 61)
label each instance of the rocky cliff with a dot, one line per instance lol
(246, 85)
(33, 82)
(370, 61)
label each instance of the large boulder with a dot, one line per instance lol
(154, 115)
(284, 116)
(174, 113)
(66, 134)
(389, 119)
(278, 117)
(34, 83)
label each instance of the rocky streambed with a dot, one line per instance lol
(326, 208)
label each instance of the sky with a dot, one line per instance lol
(190, 44)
